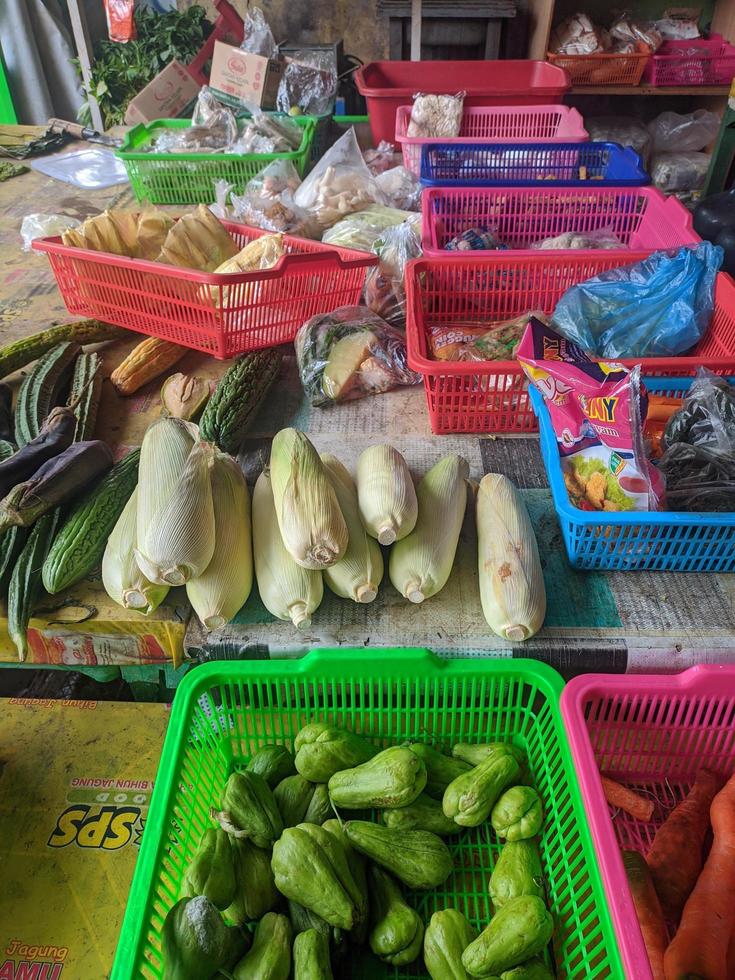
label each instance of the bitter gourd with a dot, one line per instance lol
(237, 398)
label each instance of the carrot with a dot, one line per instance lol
(648, 910)
(699, 949)
(675, 857)
(626, 799)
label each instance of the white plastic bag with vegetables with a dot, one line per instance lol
(363, 229)
(385, 292)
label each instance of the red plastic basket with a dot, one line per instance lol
(604, 69)
(492, 396)
(653, 734)
(641, 218)
(387, 85)
(222, 315)
(496, 124)
(703, 61)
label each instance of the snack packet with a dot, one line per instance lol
(597, 410)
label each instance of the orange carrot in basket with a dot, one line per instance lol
(648, 910)
(700, 947)
(675, 857)
(627, 799)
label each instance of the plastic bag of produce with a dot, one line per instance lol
(382, 157)
(363, 229)
(385, 292)
(578, 35)
(486, 342)
(43, 226)
(599, 238)
(348, 354)
(625, 30)
(401, 187)
(679, 171)
(619, 129)
(674, 132)
(597, 411)
(681, 27)
(658, 307)
(436, 116)
(309, 83)
(258, 37)
(213, 129)
(267, 202)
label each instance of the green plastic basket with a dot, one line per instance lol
(188, 178)
(224, 712)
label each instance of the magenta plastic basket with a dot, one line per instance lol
(641, 217)
(651, 733)
(497, 124)
(702, 61)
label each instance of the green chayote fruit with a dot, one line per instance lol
(448, 935)
(311, 956)
(320, 808)
(249, 805)
(322, 750)
(293, 796)
(518, 931)
(211, 871)
(469, 799)
(423, 814)
(517, 872)
(304, 872)
(397, 930)
(534, 969)
(440, 769)
(518, 814)
(392, 778)
(273, 763)
(197, 943)
(475, 754)
(418, 858)
(269, 957)
(359, 891)
(255, 888)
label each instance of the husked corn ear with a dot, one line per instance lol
(124, 582)
(179, 542)
(421, 563)
(288, 590)
(163, 453)
(222, 589)
(359, 571)
(512, 588)
(387, 496)
(311, 522)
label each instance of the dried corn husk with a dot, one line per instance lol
(262, 253)
(123, 580)
(198, 241)
(421, 563)
(225, 585)
(512, 588)
(288, 590)
(312, 526)
(126, 224)
(153, 227)
(179, 543)
(386, 493)
(359, 572)
(101, 234)
(163, 454)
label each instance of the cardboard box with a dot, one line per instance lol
(168, 96)
(239, 78)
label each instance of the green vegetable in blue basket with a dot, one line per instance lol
(517, 872)
(269, 958)
(469, 799)
(255, 888)
(249, 809)
(448, 935)
(211, 871)
(518, 814)
(311, 956)
(397, 930)
(517, 932)
(392, 778)
(197, 943)
(322, 750)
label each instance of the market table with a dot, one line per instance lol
(596, 621)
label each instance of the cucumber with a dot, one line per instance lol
(41, 390)
(21, 352)
(237, 398)
(11, 545)
(25, 582)
(85, 394)
(78, 547)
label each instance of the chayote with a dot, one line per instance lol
(249, 809)
(211, 871)
(518, 814)
(534, 969)
(517, 872)
(518, 931)
(311, 956)
(469, 799)
(448, 935)
(255, 888)
(269, 958)
(320, 807)
(273, 763)
(475, 754)
(293, 796)
(359, 894)
(423, 814)
(322, 750)
(440, 769)
(396, 929)
(197, 943)
(418, 858)
(392, 778)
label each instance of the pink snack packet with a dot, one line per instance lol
(597, 411)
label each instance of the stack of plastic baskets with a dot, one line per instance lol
(520, 164)
(662, 541)
(496, 124)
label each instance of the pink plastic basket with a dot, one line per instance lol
(497, 124)
(652, 733)
(222, 315)
(642, 218)
(703, 61)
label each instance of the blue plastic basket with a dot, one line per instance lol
(664, 541)
(521, 164)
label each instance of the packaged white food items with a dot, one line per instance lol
(436, 116)
(385, 291)
(578, 35)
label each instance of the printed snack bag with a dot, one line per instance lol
(597, 410)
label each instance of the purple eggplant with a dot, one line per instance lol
(55, 436)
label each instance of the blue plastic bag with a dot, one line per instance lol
(658, 307)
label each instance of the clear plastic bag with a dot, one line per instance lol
(627, 30)
(672, 132)
(309, 83)
(679, 171)
(44, 226)
(348, 354)
(578, 35)
(598, 238)
(362, 229)
(401, 187)
(436, 116)
(340, 183)
(267, 202)
(658, 307)
(258, 37)
(619, 129)
(275, 179)
(489, 342)
(381, 158)
(482, 238)
(678, 28)
(213, 129)
(268, 134)
(385, 291)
